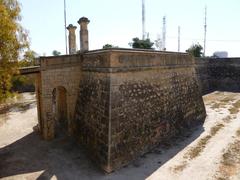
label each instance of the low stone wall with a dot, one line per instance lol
(221, 74)
(129, 101)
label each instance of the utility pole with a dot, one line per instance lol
(164, 34)
(143, 19)
(65, 26)
(178, 38)
(205, 31)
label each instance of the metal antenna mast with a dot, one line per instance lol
(65, 25)
(164, 33)
(178, 38)
(143, 19)
(205, 31)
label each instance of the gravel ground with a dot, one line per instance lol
(209, 152)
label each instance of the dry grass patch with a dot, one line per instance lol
(238, 132)
(227, 119)
(180, 167)
(231, 157)
(235, 108)
(230, 161)
(215, 129)
(237, 104)
(220, 102)
(227, 99)
(195, 151)
(216, 105)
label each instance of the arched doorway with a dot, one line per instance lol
(59, 109)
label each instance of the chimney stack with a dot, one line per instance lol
(72, 39)
(83, 22)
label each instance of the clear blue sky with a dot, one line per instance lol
(118, 21)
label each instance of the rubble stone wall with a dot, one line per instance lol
(221, 74)
(129, 101)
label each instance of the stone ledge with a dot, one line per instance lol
(127, 69)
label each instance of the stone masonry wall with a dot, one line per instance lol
(131, 100)
(93, 108)
(58, 71)
(92, 115)
(218, 74)
(121, 103)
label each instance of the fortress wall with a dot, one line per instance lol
(130, 101)
(123, 102)
(221, 74)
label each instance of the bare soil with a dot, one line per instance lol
(211, 151)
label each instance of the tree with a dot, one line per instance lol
(158, 43)
(106, 46)
(142, 44)
(195, 50)
(13, 39)
(22, 83)
(28, 58)
(56, 53)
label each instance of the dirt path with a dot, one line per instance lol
(19, 120)
(208, 152)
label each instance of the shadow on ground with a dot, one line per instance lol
(64, 159)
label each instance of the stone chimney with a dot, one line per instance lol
(83, 22)
(72, 39)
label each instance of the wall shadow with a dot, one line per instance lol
(65, 159)
(209, 91)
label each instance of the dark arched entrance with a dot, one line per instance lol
(60, 110)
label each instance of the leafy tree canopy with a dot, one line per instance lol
(106, 46)
(142, 44)
(56, 53)
(28, 58)
(195, 50)
(13, 40)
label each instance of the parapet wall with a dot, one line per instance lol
(218, 74)
(129, 101)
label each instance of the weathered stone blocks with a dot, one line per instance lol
(59, 71)
(129, 101)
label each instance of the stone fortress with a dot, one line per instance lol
(121, 103)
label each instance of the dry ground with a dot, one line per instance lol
(216, 153)
(211, 151)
